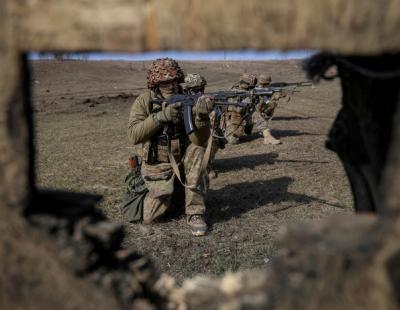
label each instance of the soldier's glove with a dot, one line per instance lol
(202, 109)
(169, 113)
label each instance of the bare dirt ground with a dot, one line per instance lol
(81, 112)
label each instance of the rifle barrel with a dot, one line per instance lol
(288, 84)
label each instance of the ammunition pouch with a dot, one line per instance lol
(155, 151)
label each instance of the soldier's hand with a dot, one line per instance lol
(169, 113)
(203, 107)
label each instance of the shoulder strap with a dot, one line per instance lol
(207, 153)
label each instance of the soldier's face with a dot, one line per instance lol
(169, 87)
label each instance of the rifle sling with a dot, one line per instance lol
(203, 165)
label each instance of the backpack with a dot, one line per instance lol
(136, 190)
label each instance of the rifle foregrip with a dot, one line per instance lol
(188, 119)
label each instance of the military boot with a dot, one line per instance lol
(198, 225)
(269, 138)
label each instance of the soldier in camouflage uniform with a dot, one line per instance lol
(195, 84)
(160, 130)
(234, 122)
(265, 110)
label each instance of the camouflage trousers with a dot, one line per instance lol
(261, 118)
(167, 195)
(260, 121)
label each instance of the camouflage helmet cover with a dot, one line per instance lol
(249, 79)
(194, 80)
(264, 79)
(164, 70)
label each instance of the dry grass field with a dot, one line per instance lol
(81, 112)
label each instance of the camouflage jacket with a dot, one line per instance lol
(142, 125)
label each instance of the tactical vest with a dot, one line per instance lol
(171, 136)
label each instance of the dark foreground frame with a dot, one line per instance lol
(321, 265)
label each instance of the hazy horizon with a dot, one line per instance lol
(235, 55)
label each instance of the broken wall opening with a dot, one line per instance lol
(81, 111)
(329, 32)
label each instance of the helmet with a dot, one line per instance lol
(264, 79)
(249, 79)
(163, 70)
(194, 80)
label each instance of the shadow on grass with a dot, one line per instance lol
(276, 133)
(249, 138)
(292, 118)
(234, 200)
(252, 161)
(291, 133)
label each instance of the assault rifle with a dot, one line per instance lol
(290, 84)
(220, 99)
(283, 87)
